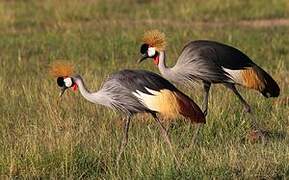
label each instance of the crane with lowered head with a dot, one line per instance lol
(209, 62)
(131, 92)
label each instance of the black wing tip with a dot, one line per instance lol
(272, 90)
(271, 93)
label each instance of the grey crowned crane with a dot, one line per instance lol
(209, 62)
(134, 91)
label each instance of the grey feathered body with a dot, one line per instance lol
(202, 61)
(213, 62)
(192, 66)
(117, 90)
(138, 91)
(118, 97)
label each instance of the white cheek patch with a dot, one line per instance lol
(67, 82)
(151, 51)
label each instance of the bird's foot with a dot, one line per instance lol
(248, 109)
(256, 135)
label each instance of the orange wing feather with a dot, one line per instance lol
(252, 80)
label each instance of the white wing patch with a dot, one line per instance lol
(152, 91)
(235, 75)
(148, 100)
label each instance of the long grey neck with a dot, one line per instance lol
(96, 97)
(165, 71)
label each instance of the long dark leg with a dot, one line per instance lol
(163, 131)
(236, 92)
(247, 106)
(124, 139)
(198, 127)
(257, 133)
(165, 136)
(207, 86)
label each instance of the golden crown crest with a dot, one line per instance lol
(156, 39)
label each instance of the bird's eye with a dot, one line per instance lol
(68, 82)
(151, 51)
(144, 48)
(60, 81)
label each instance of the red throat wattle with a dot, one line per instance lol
(156, 60)
(74, 87)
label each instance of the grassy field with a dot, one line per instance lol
(44, 136)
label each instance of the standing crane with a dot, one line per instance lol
(209, 62)
(135, 91)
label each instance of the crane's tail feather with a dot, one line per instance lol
(189, 109)
(256, 78)
(271, 88)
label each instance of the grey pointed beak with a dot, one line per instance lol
(143, 58)
(62, 91)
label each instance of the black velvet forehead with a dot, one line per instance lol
(144, 48)
(60, 81)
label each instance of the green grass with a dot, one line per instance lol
(44, 136)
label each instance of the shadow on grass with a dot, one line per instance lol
(275, 135)
(266, 136)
